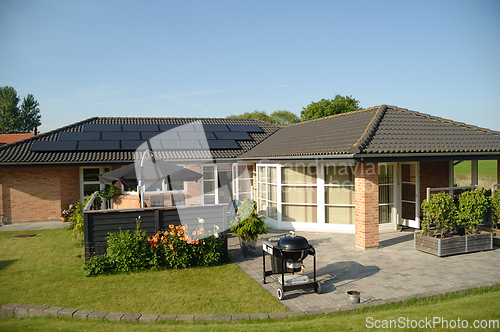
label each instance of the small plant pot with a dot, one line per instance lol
(353, 297)
(64, 219)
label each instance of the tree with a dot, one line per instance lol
(326, 107)
(14, 119)
(30, 114)
(281, 118)
(284, 118)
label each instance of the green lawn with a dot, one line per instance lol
(46, 270)
(479, 305)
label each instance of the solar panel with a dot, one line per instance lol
(80, 136)
(131, 145)
(39, 146)
(196, 135)
(140, 127)
(215, 127)
(122, 135)
(164, 135)
(102, 127)
(98, 145)
(223, 144)
(239, 135)
(183, 144)
(247, 128)
(177, 127)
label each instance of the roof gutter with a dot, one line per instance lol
(301, 157)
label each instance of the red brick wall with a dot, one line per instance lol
(366, 210)
(37, 193)
(193, 188)
(433, 174)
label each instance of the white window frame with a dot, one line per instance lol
(340, 185)
(102, 170)
(216, 184)
(394, 211)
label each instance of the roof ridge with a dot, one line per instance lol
(42, 135)
(332, 116)
(370, 130)
(455, 123)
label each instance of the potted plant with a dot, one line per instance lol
(248, 226)
(65, 215)
(108, 193)
(495, 209)
(446, 215)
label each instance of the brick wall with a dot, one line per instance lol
(366, 210)
(433, 174)
(193, 192)
(37, 193)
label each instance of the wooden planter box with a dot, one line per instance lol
(453, 245)
(496, 239)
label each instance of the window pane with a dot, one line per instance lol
(273, 192)
(385, 194)
(245, 171)
(261, 174)
(208, 172)
(261, 207)
(408, 211)
(273, 211)
(385, 214)
(296, 194)
(339, 215)
(90, 174)
(298, 175)
(339, 195)
(340, 175)
(272, 175)
(408, 172)
(88, 189)
(208, 187)
(262, 191)
(300, 213)
(408, 192)
(176, 185)
(385, 175)
(209, 199)
(245, 185)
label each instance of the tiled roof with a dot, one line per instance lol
(376, 130)
(114, 140)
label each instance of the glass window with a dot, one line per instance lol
(298, 175)
(339, 195)
(300, 213)
(209, 185)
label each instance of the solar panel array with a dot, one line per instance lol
(124, 137)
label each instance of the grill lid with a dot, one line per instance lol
(293, 242)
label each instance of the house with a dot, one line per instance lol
(11, 138)
(361, 172)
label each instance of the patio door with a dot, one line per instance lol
(410, 197)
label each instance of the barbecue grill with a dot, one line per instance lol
(287, 256)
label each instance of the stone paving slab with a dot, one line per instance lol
(394, 270)
(82, 314)
(22, 311)
(147, 318)
(37, 310)
(66, 312)
(99, 315)
(52, 311)
(114, 316)
(131, 317)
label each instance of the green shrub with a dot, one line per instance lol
(495, 207)
(97, 265)
(129, 251)
(472, 209)
(441, 210)
(248, 224)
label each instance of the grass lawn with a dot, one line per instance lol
(46, 270)
(479, 305)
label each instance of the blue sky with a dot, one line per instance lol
(215, 58)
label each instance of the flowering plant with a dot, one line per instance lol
(66, 213)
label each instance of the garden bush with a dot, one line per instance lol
(472, 209)
(175, 248)
(439, 210)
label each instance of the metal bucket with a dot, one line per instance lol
(353, 297)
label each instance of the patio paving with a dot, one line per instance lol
(394, 270)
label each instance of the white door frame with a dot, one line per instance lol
(409, 222)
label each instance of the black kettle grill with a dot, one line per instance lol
(287, 256)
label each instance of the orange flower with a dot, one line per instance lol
(157, 236)
(171, 226)
(165, 233)
(149, 240)
(172, 233)
(178, 227)
(171, 247)
(194, 233)
(196, 242)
